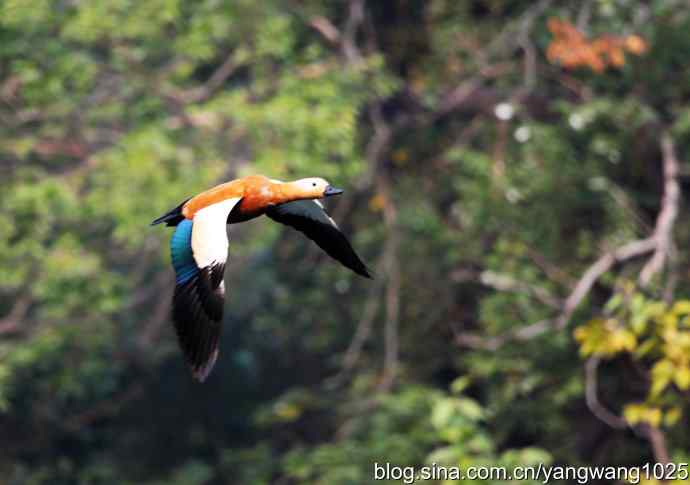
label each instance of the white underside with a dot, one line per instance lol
(209, 233)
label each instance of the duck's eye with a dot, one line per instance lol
(313, 184)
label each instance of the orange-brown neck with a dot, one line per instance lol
(288, 192)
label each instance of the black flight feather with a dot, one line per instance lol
(310, 218)
(198, 315)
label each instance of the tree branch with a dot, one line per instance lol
(12, 322)
(521, 334)
(654, 435)
(324, 27)
(595, 271)
(363, 332)
(349, 37)
(206, 90)
(663, 231)
(592, 398)
(392, 266)
(657, 440)
(503, 282)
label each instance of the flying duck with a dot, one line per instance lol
(199, 249)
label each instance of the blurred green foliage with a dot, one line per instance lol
(482, 181)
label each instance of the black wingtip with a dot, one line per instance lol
(201, 372)
(350, 260)
(363, 271)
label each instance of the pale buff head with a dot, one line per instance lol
(313, 188)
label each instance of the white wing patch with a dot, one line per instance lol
(209, 233)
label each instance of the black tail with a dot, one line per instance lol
(172, 218)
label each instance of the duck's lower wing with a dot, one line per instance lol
(310, 218)
(199, 250)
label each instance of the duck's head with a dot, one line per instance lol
(315, 188)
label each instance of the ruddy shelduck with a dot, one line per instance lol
(199, 249)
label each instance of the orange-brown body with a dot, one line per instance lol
(257, 193)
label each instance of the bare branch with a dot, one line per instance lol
(530, 51)
(206, 90)
(503, 282)
(12, 322)
(663, 254)
(661, 242)
(592, 398)
(655, 436)
(349, 37)
(584, 16)
(158, 319)
(673, 275)
(392, 265)
(521, 334)
(324, 27)
(663, 231)
(657, 440)
(364, 328)
(376, 147)
(601, 266)
(551, 270)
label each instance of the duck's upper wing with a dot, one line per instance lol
(199, 250)
(309, 217)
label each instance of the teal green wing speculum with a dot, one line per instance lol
(181, 252)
